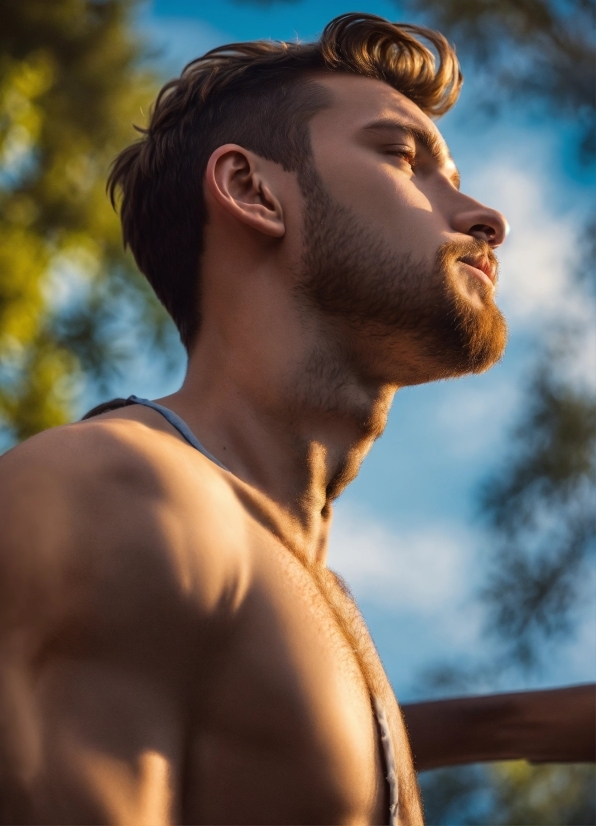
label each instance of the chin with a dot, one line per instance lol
(482, 338)
(468, 342)
(471, 330)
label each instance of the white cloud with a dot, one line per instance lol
(425, 575)
(472, 417)
(419, 570)
(538, 257)
(538, 289)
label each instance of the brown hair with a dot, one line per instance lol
(258, 95)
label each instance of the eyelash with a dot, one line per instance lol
(407, 154)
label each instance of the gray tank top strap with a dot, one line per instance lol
(387, 746)
(177, 423)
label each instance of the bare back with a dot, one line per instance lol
(165, 658)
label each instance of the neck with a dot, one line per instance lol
(289, 414)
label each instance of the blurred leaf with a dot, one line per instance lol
(541, 508)
(72, 83)
(510, 794)
(553, 794)
(540, 504)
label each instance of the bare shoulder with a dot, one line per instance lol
(113, 510)
(103, 454)
(113, 593)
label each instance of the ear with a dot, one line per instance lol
(237, 179)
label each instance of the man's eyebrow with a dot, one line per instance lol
(424, 137)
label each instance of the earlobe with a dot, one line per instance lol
(237, 183)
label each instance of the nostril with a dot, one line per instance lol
(482, 231)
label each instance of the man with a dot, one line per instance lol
(174, 648)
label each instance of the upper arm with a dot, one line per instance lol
(86, 741)
(94, 637)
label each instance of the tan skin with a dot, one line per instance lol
(174, 649)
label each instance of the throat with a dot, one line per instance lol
(292, 427)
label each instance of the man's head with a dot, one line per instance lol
(389, 238)
(383, 228)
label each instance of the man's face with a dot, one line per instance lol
(390, 244)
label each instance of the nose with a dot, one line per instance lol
(479, 221)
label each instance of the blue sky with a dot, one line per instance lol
(405, 534)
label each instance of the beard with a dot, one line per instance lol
(428, 327)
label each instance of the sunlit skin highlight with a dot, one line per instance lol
(186, 654)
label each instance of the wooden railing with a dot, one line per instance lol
(553, 726)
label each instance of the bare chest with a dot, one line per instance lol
(287, 731)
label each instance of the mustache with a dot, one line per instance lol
(452, 251)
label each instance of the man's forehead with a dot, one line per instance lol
(362, 103)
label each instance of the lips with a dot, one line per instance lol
(483, 264)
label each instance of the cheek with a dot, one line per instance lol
(402, 214)
(394, 201)
(382, 196)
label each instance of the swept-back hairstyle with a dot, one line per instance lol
(259, 95)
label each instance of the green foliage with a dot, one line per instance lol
(553, 794)
(511, 794)
(540, 506)
(70, 88)
(541, 503)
